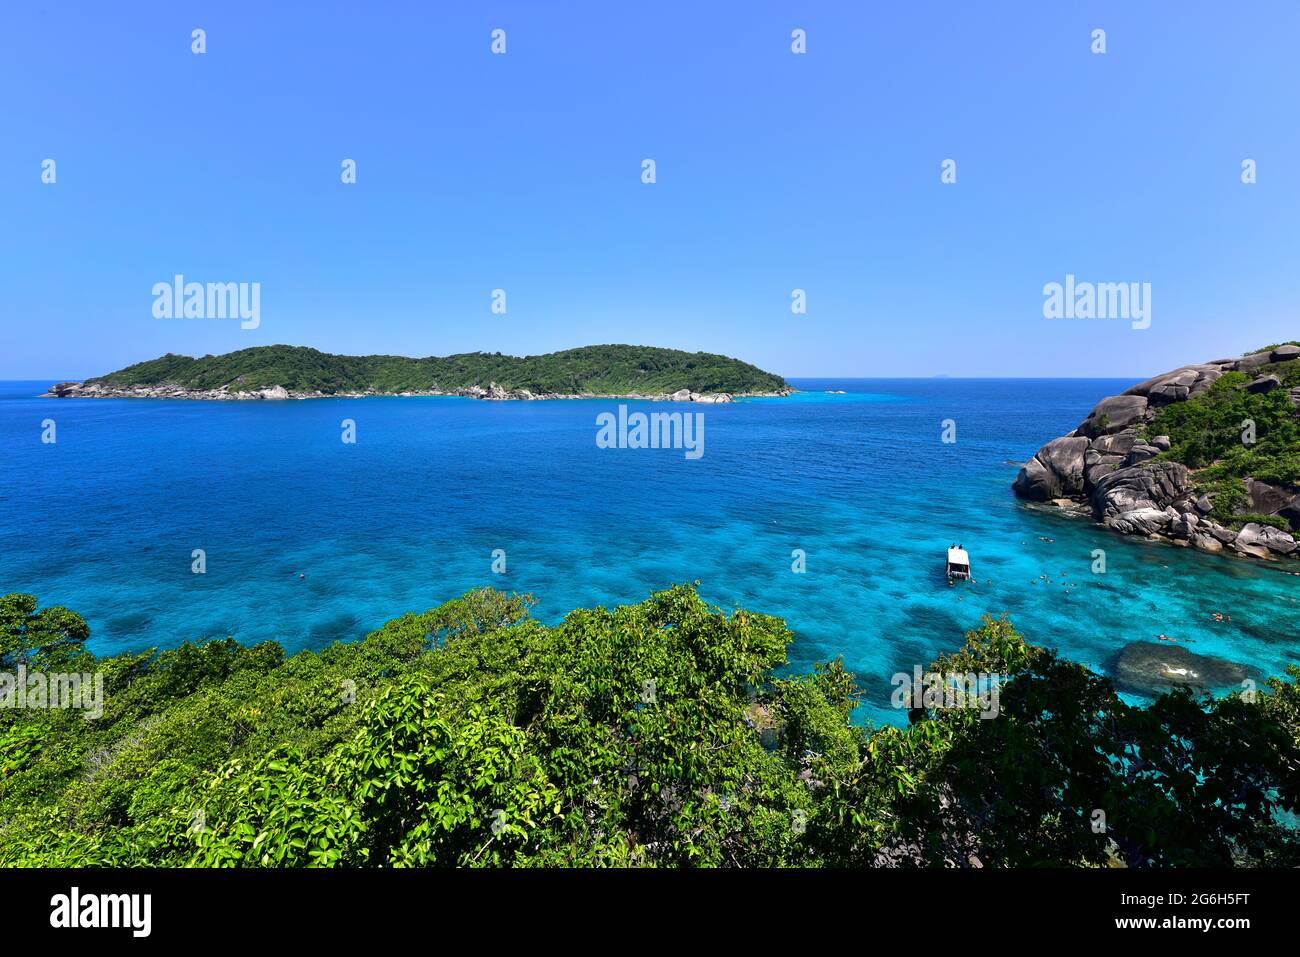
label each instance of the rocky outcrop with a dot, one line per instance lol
(1259, 540)
(1266, 499)
(1185, 383)
(1113, 467)
(1055, 472)
(1113, 414)
(1291, 513)
(1139, 488)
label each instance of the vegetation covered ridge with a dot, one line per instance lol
(653, 734)
(300, 371)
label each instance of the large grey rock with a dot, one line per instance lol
(1254, 537)
(1292, 514)
(1279, 542)
(1114, 414)
(1267, 499)
(1121, 443)
(1096, 465)
(1206, 542)
(1141, 521)
(1265, 383)
(1253, 361)
(1140, 453)
(1065, 457)
(1036, 482)
(1056, 471)
(1224, 534)
(681, 395)
(1204, 380)
(1285, 353)
(1184, 526)
(1179, 384)
(1251, 541)
(1176, 388)
(1144, 388)
(1150, 486)
(1162, 442)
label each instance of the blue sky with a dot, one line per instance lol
(775, 171)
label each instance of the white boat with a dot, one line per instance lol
(958, 563)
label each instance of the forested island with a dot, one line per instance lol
(298, 372)
(654, 734)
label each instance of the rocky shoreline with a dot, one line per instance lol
(1109, 467)
(492, 393)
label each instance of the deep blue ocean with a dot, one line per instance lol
(105, 520)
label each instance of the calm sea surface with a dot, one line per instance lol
(105, 520)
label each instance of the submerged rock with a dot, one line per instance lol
(1146, 667)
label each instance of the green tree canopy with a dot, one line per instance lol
(654, 734)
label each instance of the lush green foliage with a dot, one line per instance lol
(604, 370)
(473, 735)
(44, 638)
(1207, 436)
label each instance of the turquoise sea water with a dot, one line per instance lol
(105, 520)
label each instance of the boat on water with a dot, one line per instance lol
(958, 563)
